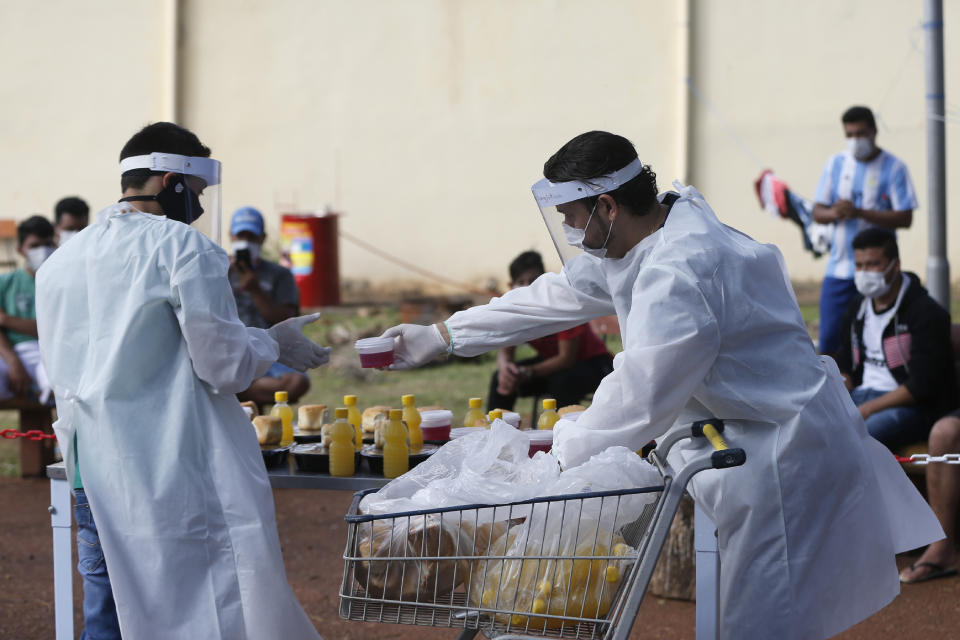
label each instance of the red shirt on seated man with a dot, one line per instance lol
(568, 366)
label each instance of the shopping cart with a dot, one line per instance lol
(565, 566)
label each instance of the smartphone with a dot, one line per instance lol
(243, 257)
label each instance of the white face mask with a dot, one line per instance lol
(576, 236)
(252, 247)
(66, 235)
(860, 148)
(872, 284)
(37, 256)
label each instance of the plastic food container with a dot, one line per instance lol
(375, 352)
(435, 425)
(315, 458)
(306, 437)
(540, 440)
(374, 457)
(459, 432)
(512, 418)
(274, 456)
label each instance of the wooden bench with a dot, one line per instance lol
(35, 455)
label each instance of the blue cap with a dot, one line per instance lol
(246, 219)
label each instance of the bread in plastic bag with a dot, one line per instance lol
(421, 540)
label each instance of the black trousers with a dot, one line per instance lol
(568, 386)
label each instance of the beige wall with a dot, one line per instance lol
(426, 121)
(76, 79)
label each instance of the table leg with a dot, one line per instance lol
(61, 520)
(708, 575)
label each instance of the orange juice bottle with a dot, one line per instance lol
(354, 418)
(283, 411)
(549, 416)
(396, 452)
(496, 414)
(412, 418)
(475, 416)
(342, 450)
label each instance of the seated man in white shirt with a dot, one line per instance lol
(895, 350)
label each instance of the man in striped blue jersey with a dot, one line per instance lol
(860, 187)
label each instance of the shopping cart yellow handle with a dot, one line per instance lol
(724, 457)
(711, 433)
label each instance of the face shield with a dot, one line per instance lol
(550, 195)
(193, 196)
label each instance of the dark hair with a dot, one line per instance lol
(526, 261)
(73, 205)
(164, 137)
(597, 153)
(877, 238)
(859, 114)
(34, 226)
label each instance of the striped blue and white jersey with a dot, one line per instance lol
(883, 184)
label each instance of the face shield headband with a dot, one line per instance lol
(549, 195)
(207, 169)
(198, 179)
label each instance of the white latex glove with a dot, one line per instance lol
(559, 452)
(296, 350)
(414, 345)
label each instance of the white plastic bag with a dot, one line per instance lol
(493, 467)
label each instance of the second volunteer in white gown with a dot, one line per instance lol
(140, 335)
(808, 528)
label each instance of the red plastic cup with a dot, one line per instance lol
(435, 425)
(375, 352)
(540, 440)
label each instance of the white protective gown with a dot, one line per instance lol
(141, 340)
(809, 526)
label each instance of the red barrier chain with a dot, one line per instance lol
(33, 434)
(923, 458)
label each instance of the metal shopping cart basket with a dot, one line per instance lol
(566, 566)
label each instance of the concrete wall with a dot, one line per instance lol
(76, 80)
(426, 121)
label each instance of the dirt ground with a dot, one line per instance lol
(312, 532)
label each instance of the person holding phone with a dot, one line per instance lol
(266, 294)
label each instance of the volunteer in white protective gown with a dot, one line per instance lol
(139, 331)
(809, 526)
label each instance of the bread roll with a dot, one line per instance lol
(572, 408)
(369, 417)
(310, 417)
(269, 429)
(414, 578)
(379, 424)
(325, 432)
(253, 407)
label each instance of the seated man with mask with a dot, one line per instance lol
(569, 364)
(71, 216)
(895, 352)
(266, 294)
(21, 372)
